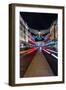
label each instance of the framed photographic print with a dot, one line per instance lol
(36, 44)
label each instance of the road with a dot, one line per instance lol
(38, 66)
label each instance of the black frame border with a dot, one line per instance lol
(12, 43)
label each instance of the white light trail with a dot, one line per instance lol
(46, 51)
(54, 56)
(52, 51)
(51, 54)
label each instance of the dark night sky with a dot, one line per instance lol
(38, 20)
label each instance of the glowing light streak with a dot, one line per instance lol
(21, 52)
(46, 51)
(51, 54)
(30, 51)
(26, 51)
(52, 51)
(54, 56)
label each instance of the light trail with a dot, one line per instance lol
(46, 51)
(25, 51)
(54, 56)
(28, 51)
(52, 51)
(50, 54)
